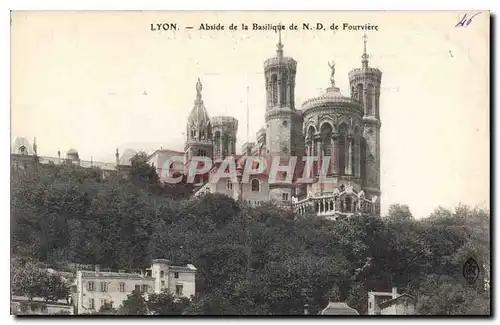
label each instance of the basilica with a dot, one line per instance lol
(346, 129)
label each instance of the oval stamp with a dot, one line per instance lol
(471, 271)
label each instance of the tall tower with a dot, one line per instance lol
(224, 129)
(199, 129)
(283, 122)
(365, 88)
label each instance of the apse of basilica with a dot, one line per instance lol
(343, 130)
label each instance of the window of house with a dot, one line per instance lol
(370, 305)
(90, 286)
(91, 303)
(122, 287)
(285, 196)
(255, 185)
(162, 274)
(138, 288)
(176, 275)
(229, 185)
(103, 302)
(178, 289)
(162, 283)
(144, 288)
(104, 287)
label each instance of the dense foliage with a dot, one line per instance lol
(250, 260)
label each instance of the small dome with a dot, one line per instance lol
(22, 146)
(72, 154)
(126, 156)
(331, 96)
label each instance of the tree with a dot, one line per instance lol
(141, 171)
(399, 212)
(165, 303)
(106, 309)
(135, 304)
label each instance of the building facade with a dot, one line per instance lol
(390, 303)
(341, 131)
(94, 289)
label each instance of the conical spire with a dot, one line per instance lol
(34, 146)
(365, 55)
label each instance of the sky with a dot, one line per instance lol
(97, 81)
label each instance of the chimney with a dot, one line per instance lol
(394, 292)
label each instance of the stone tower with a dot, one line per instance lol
(365, 88)
(199, 129)
(224, 129)
(283, 122)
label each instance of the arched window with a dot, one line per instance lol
(283, 90)
(370, 102)
(360, 92)
(326, 139)
(193, 132)
(22, 150)
(342, 149)
(255, 185)
(274, 89)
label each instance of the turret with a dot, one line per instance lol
(365, 88)
(198, 129)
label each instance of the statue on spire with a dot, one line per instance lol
(199, 87)
(332, 76)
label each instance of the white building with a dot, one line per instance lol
(390, 303)
(94, 288)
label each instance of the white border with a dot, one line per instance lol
(180, 5)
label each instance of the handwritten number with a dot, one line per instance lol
(465, 21)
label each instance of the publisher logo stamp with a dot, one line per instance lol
(471, 271)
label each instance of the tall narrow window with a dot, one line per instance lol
(122, 287)
(104, 287)
(255, 185)
(369, 100)
(342, 154)
(274, 89)
(326, 139)
(91, 303)
(178, 289)
(283, 89)
(90, 286)
(229, 184)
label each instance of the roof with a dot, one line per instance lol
(338, 308)
(331, 96)
(22, 142)
(398, 298)
(94, 274)
(199, 115)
